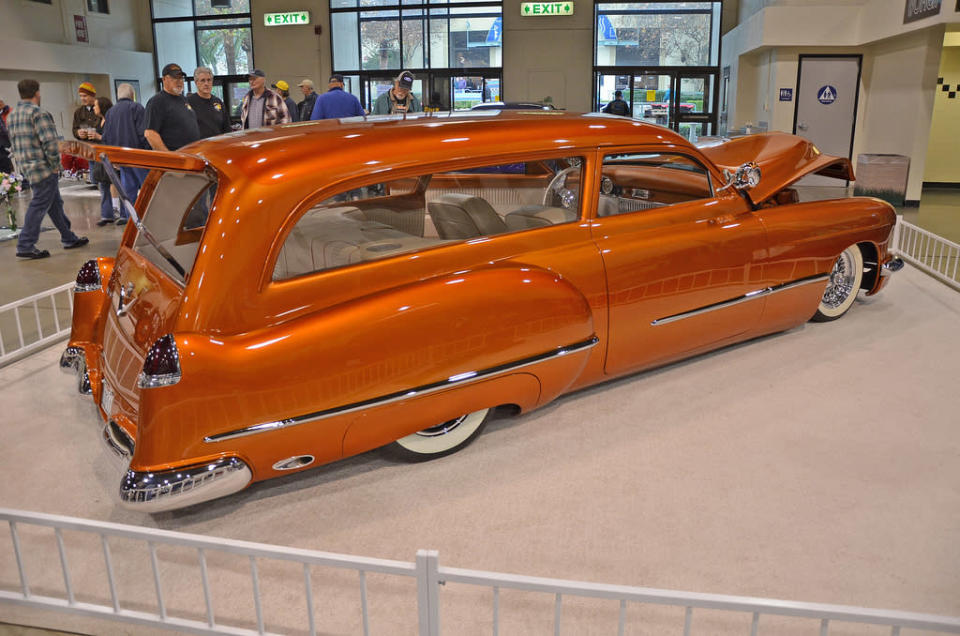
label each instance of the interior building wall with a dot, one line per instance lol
(292, 53)
(942, 164)
(900, 65)
(40, 41)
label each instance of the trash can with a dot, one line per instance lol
(882, 176)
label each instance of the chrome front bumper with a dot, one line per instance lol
(74, 361)
(892, 266)
(181, 487)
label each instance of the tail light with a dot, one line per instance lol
(88, 278)
(162, 364)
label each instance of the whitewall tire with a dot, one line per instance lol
(440, 440)
(842, 288)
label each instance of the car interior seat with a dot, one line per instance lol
(463, 216)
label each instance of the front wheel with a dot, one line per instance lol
(440, 440)
(841, 291)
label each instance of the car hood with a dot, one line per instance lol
(783, 159)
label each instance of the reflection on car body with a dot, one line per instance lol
(325, 304)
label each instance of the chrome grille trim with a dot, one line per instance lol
(454, 380)
(760, 293)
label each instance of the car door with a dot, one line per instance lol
(679, 258)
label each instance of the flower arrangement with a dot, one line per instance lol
(10, 185)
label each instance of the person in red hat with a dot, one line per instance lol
(85, 120)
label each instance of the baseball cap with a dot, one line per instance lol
(307, 82)
(87, 88)
(282, 85)
(173, 70)
(336, 77)
(405, 80)
(257, 72)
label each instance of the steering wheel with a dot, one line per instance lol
(568, 198)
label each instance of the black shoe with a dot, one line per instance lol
(122, 220)
(103, 222)
(80, 242)
(34, 253)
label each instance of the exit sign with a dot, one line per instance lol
(545, 8)
(286, 19)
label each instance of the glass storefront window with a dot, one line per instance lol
(380, 40)
(413, 49)
(228, 51)
(657, 33)
(346, 47)
(175, 42)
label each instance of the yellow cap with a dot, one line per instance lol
(282, 85)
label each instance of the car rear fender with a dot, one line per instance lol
(318, 373)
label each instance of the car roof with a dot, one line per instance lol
(341, 148)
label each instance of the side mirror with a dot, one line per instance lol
(746, 177)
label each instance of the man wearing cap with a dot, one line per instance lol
(170, 121)
(305, 108)
(336, 102)
(212, 117)
(284, 89)
(84, 120)
(618, 106)
(261, 106)
(398, 99)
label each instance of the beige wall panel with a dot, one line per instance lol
(943, 159)
(548, 56)
(292, 53)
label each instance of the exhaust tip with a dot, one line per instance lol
(297, 461)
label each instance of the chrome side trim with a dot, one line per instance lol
(426, 389)
(760, 293)
(181, 487)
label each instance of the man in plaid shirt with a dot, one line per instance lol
(36, 146)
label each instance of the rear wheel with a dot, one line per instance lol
(440, 440)
(841, 291)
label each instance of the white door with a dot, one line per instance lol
(827, 106)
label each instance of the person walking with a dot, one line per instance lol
(336, 102)
(109, 206)
(36, 147)
(212, 116)
(618, 106)
(124, 126)
(284, 89)
(261, 106)
(398, 99)
(170, 122)
(305, 108)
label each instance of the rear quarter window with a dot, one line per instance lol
(175, 218)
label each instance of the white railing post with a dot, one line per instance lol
(428, 592)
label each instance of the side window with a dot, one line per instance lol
(634, 182)
(420, 212)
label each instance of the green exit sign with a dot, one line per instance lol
(286, 19)
(528, 9)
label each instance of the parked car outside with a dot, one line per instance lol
(274, 308)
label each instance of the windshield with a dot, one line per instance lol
(174, 218)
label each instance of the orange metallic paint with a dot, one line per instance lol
(253, 350)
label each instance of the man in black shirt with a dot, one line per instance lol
(212, 117)
(170, 121)
(618, 106)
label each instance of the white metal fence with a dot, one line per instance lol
(426, 571)
(926, 251)
(32, 323)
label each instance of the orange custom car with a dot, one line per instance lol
(287, 297)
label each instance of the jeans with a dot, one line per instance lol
(106, 201)
(46, 200)
(131, 179)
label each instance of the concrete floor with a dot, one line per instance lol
(819, 465)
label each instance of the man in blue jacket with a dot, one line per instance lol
(336, 102)
(123, 126)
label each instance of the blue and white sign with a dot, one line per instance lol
(605, 30)
(786, 94)
(827, 94)
(495, 32)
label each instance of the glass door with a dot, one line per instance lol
(650, 99)
(694, 104)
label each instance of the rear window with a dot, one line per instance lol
(175, 218)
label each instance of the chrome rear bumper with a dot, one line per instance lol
(74, 361)
(181, 487)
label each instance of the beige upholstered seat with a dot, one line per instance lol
(530, 216)
(463, 216)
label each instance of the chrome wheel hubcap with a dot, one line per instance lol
(443, 429)
(841, 282)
